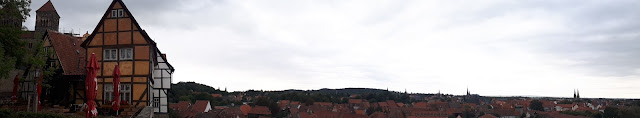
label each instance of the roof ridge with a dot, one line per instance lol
(48, 6)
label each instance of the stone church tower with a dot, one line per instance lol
(47, 18)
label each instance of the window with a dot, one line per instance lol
(110, 54)
(52, 64)
(125, 92)
(126, 53)
(108, 92)
(120, 13)
(114, 13)
(156, 102)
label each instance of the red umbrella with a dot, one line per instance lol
(14, 97)
(92, 88)
(39, 88)
(116, 89)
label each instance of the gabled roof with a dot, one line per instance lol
(200, 106)
(70, 54)
(261, 110)
(180, 106)
(392, 104)
(133, 21)
(47, 7)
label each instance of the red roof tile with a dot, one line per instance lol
(283, 102)
(245, 109)
(69, 52)
(392, 104)
(201, 106)
(262, 110)
(181, 106)
(355, 101)
(487, 116)
(216, 95)
(295, 103)
(323, 103)
(383, 104)
(378, 115)
(47, 7)
(420, 105)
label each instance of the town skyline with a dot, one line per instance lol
(539, 49)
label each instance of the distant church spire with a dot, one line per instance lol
(576, 94)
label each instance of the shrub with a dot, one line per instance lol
(5, 113)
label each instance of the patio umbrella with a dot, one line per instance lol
(40, 88)
(116, 89)
(91, 86)
(14, 96)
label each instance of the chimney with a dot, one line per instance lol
(84, 37)
(164, 56)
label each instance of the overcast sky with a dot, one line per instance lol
(541, 48)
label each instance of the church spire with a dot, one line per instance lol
(574, 94)
(468, 93)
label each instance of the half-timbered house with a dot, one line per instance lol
(145, 73)
(67, 59)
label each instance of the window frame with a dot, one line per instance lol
(156, 102)
(125, 95)
(120, 13)
(108, 56)
(114, 13)
(126, 54)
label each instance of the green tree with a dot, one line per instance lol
(536, 105)
(12, 48)
(611, 112)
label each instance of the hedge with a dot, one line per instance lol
(6, 113)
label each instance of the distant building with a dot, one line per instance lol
(472, 98)
(47, 18)
(259, 111)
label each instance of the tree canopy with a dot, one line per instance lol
(536, 105)
(13, 52)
